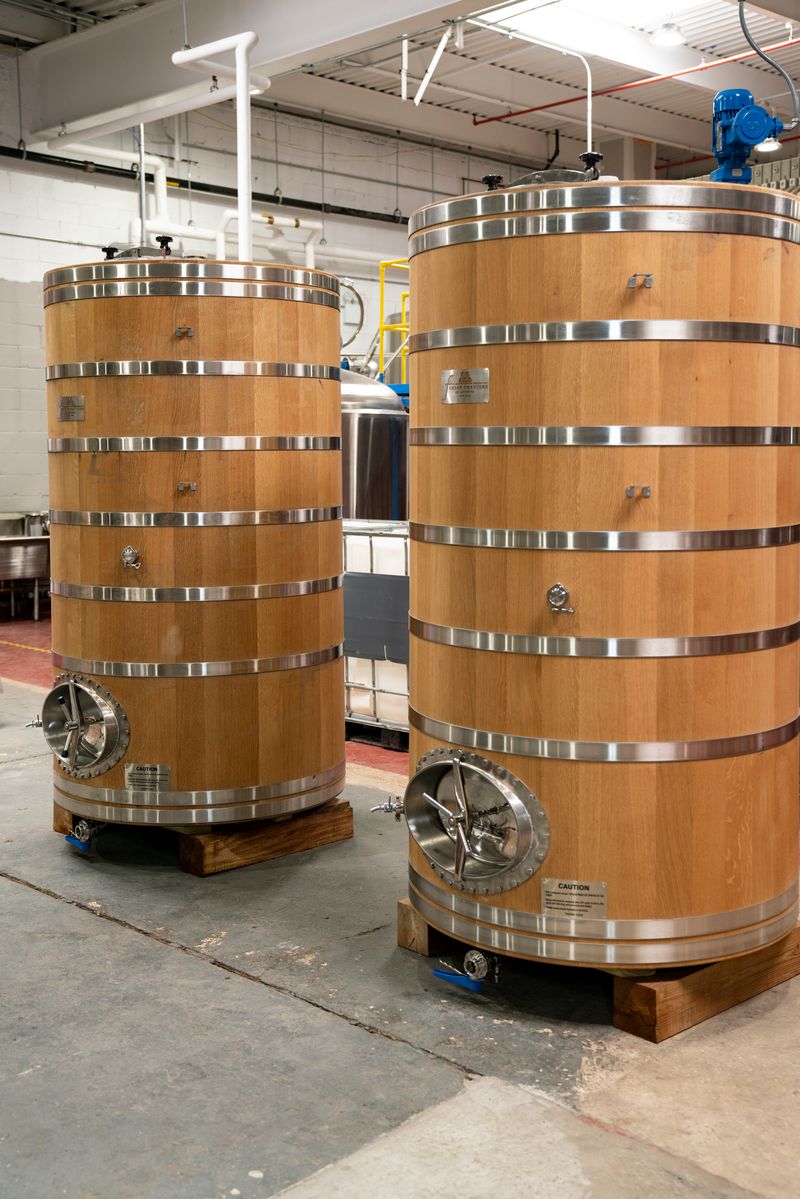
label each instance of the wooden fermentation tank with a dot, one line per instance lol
(195, 488)
(605, 573)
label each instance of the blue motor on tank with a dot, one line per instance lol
(740, 125)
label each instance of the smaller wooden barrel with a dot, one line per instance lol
(195, 490)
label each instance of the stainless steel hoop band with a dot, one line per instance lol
(605, 953)
(176, 268)
(177, 520)
(138, 445)
(611, 540)
(605, 751)
(626, 221)
(605, 647)
(195, 595)
(581, 331)
(583, 926)
(288, 796)
(641, 195)
(606, 435)
(227, 290)
(198, 670)
(134, 368)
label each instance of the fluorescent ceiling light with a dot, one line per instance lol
(668, 34)
(768, 146)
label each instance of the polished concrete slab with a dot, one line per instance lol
(310, 942)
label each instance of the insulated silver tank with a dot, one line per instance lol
(374, 450)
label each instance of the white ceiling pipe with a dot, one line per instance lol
(241, 44)
(156, 164)
(535, 41)
(280, 221)
(144, 114)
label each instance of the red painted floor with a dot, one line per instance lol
(25, 652)
(25, 658)
(394, 760)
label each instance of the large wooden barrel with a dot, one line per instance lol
(605, 573)
(195, 490)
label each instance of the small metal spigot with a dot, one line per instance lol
(36, 723)
(493, 182)
(394, 805)
(130, 558)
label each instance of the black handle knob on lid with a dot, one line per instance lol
(493, 182)
(590, 159)
(110, 251)
(164, 241)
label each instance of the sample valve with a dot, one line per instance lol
(740, 125)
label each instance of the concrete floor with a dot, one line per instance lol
(259, 1033)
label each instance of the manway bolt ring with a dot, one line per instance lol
(528, 810)
(98, 692)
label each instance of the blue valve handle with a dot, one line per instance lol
(81, 846)
(459, 980)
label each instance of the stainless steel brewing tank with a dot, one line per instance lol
(374, 450)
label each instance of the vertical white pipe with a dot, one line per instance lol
(404, 69)
(244, 182)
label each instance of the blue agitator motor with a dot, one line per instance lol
(739, 125)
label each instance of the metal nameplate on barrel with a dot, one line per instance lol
(147, 777)
(465, 386)
(71, 408)
(574, 897)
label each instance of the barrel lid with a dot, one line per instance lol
(190, 269)
(530, 197)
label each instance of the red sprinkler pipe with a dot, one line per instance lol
(624, 87)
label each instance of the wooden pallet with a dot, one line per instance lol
(228, 847)
(668, 1002)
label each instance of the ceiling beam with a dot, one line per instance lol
(388, 114)
(127, 61)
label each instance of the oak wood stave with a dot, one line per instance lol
(177, 406)
(217, 631)
(687, 593)
(671, 839)
(204, 727)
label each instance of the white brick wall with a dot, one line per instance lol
(50, 217)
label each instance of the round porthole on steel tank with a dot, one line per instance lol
(479, 826)
(84, 725)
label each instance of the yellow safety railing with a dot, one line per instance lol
(403, 327)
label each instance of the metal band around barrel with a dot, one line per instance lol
(622, 221)
(606, 435)
(125, 445)
(177, 520)
(605, 647)
(176, 268)
(640, 195)
(229, 367)
(195, 595)
(606, 953)
(231, 795)
(226, 290)
(582, 331)
(605, 751)
(583, 926)
(611, 540)
(197, 670)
